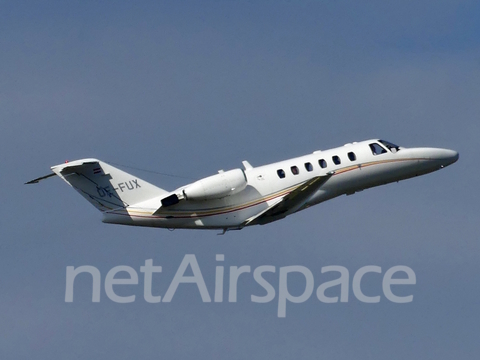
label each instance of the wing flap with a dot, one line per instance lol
(290, 202)
(272, 205)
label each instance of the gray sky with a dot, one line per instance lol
(193, 87)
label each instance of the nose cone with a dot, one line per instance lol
(452, 156)
(442, 157)
(446, 156)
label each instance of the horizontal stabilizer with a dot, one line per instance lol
(35, 181)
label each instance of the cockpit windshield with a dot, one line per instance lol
(392, 147)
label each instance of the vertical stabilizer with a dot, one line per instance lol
(105, 186)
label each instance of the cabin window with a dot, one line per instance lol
(322, 163)
(336, 160)
(294, 170)
(352, 156)
(281, 173)
(377, 149)
(308, 166)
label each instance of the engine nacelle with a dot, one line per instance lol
(217, 186)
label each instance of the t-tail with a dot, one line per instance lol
(104, 186)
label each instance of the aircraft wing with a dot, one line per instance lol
(290, 203)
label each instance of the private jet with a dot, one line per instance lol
(234, 199)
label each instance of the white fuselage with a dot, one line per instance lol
(357, 167)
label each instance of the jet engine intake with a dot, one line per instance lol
(217, 186)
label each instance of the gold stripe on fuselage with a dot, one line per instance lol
(175, 214)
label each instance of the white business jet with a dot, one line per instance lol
(231, 200)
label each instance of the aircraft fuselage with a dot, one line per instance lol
(343, 170)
